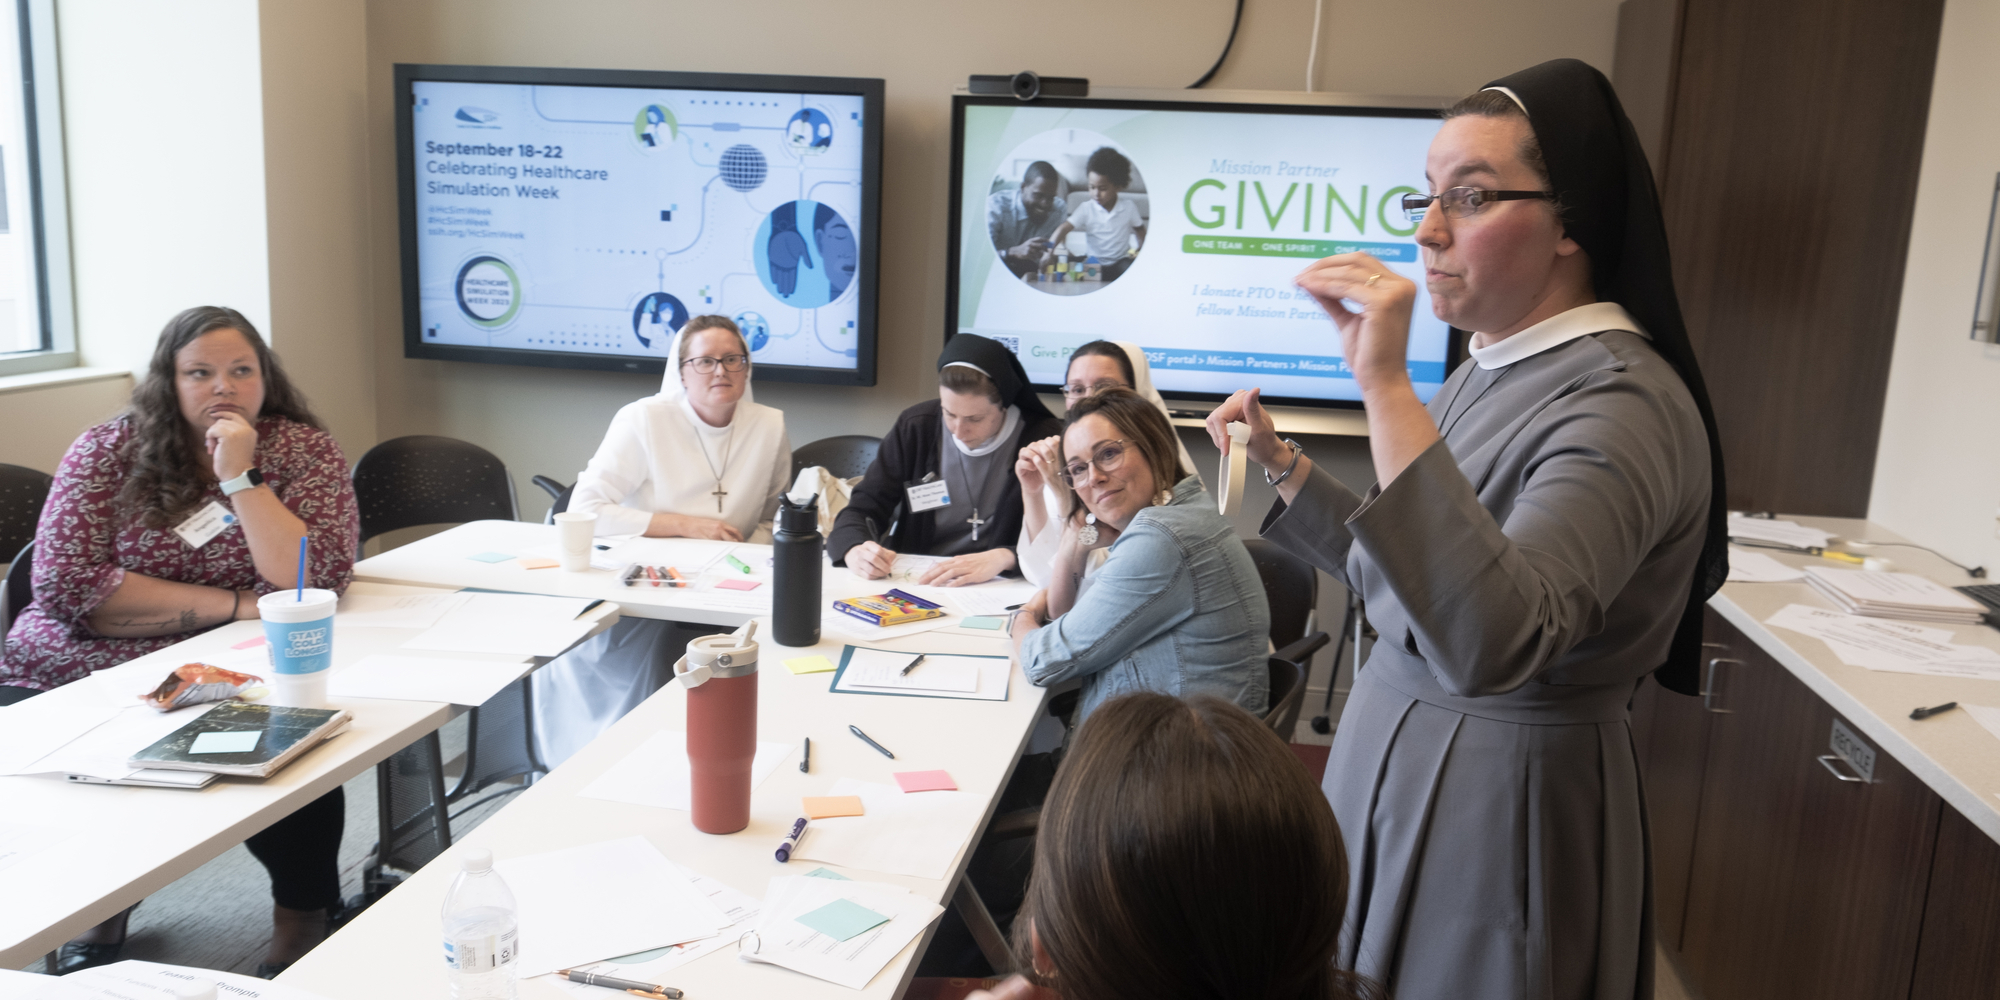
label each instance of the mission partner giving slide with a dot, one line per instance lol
(1181, 231)
(598, 220)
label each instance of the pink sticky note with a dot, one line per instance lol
(737, 585)
(255, 640)
(926, 781)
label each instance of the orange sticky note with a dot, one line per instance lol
(925, 781)
(537, 562)
(828, 806)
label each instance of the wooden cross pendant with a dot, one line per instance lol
(719, 493)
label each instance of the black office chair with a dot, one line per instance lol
(559, 493)
(1291, 586)
(23, 491)
(426, 479)
(15, 595)
(844, 455)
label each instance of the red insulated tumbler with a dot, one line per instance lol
(720, 674)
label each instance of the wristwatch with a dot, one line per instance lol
(251, 477)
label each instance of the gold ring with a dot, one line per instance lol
(1372, 279)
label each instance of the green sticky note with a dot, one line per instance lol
(989, 623)
(491, 557)
(226, 742)
(827, 873)
(842, 919)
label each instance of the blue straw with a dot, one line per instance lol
(302, 569)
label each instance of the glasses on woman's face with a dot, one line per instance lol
(1463, 202)
(1079, 390)
(729, 363)
(1107, 458)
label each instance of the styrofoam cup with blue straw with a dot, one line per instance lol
(298, 628)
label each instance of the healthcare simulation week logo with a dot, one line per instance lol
(477, 117)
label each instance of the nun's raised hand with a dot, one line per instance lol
(1371, 305)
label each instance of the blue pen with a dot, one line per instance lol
(792, 842)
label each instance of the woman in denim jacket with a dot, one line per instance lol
(1178, 606)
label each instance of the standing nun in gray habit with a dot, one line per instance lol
(1539, 538)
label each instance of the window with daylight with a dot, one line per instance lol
(36, 323)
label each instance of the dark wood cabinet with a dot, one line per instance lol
(1670, 732)
(1959, 957)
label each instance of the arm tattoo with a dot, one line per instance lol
(190, 621)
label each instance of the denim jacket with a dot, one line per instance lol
(1177, 608)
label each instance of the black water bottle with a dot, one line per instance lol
(795, 571)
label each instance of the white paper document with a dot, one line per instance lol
(136, 980)
(993, 597)
(1880, 644)
(512, 624)
(38, 727)
(1987, 717)
(901, 834)
(1790, 533)
(992, 672)
(395, 610)
(102, 751)
(1894, 595)
(1755, 567)
(651, 966)
(19, 841)
(589, 903)
(656, 772)
(780, 939)
(880, 668)
(453, 680)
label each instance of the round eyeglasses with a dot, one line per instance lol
(1107, 458)
(1078, 390)
(1462, 202)
(729, 363)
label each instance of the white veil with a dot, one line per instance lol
(1142, 383)
(671, 389)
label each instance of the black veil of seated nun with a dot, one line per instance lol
(1539, 538)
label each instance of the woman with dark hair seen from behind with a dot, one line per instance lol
(214, 424)
(1183, 852)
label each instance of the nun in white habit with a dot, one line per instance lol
(1046, 522)
(700, 459)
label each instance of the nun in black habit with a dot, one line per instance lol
(1539, 539)
(943, 483)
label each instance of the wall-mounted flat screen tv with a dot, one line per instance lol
(578, 218)
(1179, 226)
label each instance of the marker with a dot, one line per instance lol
(614, 983)
(805, 760)
(856, 730)
(604, 548)
(675, 575)
(1846, 557)
(652, 576)
(739, 564)
(912, 665)
(785, 849)
(1921, 712)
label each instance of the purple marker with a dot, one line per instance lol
(785, 849)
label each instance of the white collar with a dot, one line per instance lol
(1008, 427)
(1556, 331)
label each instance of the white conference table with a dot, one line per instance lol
(395, 941)
(126, 842)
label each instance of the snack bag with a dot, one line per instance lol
(198, 684)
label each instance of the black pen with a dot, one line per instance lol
(614, 983)
(856, 730)
(805, 761)
(912, 665)
(1924, 713)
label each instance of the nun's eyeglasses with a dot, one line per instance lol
(729, 363)
(1461, 202)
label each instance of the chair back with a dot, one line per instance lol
(23, 491)
(844, 455)
(426, 479)
(558, 494)
(1290, 585)
(1288, 692)
(17, 592)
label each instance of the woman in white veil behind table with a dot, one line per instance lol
(700, 459)
(1045, 502)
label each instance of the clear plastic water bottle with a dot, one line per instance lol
(480, 932)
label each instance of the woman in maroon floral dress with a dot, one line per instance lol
(214, 424)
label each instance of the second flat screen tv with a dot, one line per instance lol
(1182, 226)
(578, 218)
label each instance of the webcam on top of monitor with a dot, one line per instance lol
(1028, 85)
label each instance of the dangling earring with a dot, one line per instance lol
(1088, 533)
(1163, 498)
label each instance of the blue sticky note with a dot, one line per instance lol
(991, 624)
(226, 742)
(842, 919)
(491, 557)
(827, 873)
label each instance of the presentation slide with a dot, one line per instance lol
(597, 220)
(1181, 230)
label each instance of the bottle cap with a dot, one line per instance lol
(476, 860)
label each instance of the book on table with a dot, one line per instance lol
(245, 739)
(892, 608)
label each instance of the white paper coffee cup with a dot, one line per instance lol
(299, 633)
(574, 536)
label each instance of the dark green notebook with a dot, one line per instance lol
(284, 733)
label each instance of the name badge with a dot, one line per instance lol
(206, 523)
(929, 496)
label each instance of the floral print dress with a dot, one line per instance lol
(84, 547)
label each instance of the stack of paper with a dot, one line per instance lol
(1756, 567)
(651, 966)
(508, 624)
(1790, 533)
(1892, 646)
(590, 903)
(1895, 595)
(838, 930)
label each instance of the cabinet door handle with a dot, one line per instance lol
(1826, 760)
(1709, 692)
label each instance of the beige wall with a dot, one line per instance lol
(548, 421)
(1937, 472)
(41, 421)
